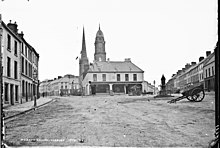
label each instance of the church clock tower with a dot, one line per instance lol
(100, 54)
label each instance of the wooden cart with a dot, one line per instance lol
(194, 93)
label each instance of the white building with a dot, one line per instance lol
(67, 85)
(112, 77)
(10, 49)
(20, 66)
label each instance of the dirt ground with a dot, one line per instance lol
(116, 121)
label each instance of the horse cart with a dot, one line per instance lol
(194, 93)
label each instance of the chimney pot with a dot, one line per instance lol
(200, 59)
(13, 27)
(127, 59)
(193, 63)
(208, 53)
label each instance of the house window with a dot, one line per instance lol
(126, 77)
(213, 72)
(8, 66)
(118, 77)
(26, 51)
(22, 64)
(15, 69)
(61, 86)
(22, 48)
(26, 67)
(103, 77)
(16, 46)
(206, 73)
(94, 77)
(135, 77)
(6, 92)
(30, 70)
(9, 42)
(209, 72)
(66, 87)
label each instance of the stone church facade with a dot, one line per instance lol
(105, 76)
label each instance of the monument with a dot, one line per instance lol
(163, 92)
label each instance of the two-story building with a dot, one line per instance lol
(111, 76)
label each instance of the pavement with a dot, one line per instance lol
(18, 109)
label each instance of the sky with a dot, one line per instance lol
(160, 36)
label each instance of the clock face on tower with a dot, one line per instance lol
(100, 46)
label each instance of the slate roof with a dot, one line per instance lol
(114, 66)
(209, 58)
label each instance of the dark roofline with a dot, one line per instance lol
(122, 62)
(115, 71)
(209, 58)
(33, 50)
(9, 30)
(18, 37)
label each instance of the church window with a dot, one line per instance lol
(118, 77)
(94, 77)
(126, 77)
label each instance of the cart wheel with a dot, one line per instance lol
(190, 98)
(198, 95)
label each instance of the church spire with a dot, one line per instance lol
(83, 62)
(83, 52)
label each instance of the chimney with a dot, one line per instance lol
(208, 53)
(187, 66)
(21, 34)
(13, 27)
(178, 71)
(59, 77)
(193, 63)
(54, 78)
(127, 59)
(183, 69)
(200, 59)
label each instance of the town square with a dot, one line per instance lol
(109, 73)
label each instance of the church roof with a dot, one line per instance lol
(114, 66)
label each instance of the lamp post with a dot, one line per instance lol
(35, 74)
(154, 86)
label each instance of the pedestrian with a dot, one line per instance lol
(35, 100)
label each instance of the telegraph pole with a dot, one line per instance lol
(154, 86)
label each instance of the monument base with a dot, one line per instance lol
(162, 94)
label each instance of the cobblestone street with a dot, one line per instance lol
(135, 121)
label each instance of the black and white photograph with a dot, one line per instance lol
(109, 73)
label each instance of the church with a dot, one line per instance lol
(105, 76)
